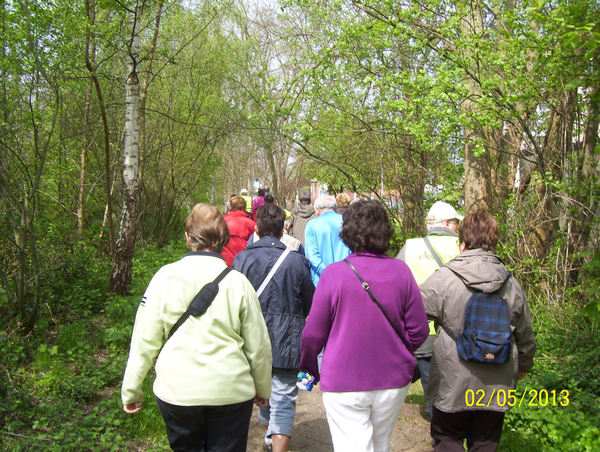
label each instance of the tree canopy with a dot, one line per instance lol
(118, 117)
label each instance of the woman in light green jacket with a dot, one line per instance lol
(214, 366)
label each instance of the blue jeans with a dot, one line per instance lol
(424, 364)
(279, 415)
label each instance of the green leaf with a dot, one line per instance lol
(592, 310)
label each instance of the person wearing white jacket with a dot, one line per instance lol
(212, 369)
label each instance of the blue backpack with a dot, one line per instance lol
(486, 330)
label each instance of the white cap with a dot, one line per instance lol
(441, 211)
(243, 190)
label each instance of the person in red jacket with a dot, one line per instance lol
(240, 229)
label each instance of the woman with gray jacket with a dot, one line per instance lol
(470, 399)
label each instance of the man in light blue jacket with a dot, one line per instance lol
(322, 237)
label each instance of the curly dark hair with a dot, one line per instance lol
(367, 227)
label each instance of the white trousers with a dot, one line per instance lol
(363, 421)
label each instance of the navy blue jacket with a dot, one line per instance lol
(285, 301)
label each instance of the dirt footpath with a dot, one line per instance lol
(311, 432)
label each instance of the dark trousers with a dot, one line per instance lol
(481, 429)
(207, 428)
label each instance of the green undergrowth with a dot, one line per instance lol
(60, 391)
(59, 385)
(558, 403)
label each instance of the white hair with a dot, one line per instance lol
(440, 224)
(325, 202)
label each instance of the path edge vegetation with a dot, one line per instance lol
(59, 385)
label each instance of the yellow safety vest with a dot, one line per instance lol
(248, 203)
(419, 259)
(422, 264)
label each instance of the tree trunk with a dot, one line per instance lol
(144, 91)
(91, 66)
(478, 195)
(84, 146)
(543, 217)
(585, 183)
(412, 189)
(587, 177)
(478, 189)
(123, 259)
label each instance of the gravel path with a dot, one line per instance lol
(311, 433)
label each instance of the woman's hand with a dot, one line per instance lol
(261, 402)
(522, 374)
(131, 408)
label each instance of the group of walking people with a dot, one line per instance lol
(347, 316)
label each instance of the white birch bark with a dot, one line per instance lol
(122, 265)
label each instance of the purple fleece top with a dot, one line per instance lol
(362, 350)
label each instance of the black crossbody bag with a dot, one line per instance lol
(365, 285)
(201, 301)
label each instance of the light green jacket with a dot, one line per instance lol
(422, 264)
(220, 358)
(420, 260)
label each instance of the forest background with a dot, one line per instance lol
(117, 116)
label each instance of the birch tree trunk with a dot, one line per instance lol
(144, 92)
(125, 246)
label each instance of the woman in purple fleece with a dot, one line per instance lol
(366, 369)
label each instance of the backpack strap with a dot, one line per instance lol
(365, 286)
(435, 255)
(201, 301)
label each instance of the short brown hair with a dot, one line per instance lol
(367, 227)
(479, 230)
(237, 203)
(207, 229)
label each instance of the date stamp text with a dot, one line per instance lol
(529, 397)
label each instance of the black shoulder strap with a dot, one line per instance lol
(201, 301)
(435, 255)
(365, 286)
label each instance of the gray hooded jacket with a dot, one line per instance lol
(301, 215)
(446, 297)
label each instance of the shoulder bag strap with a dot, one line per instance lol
(365, 286)
(201, 301)
(272, 272)
(435, 255)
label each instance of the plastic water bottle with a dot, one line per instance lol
(305, 381)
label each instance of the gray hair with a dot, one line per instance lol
(325, 202)
(439, 224)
